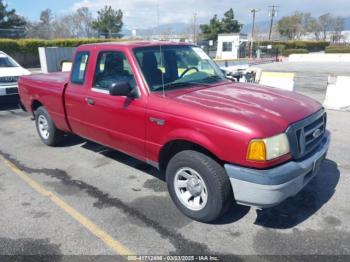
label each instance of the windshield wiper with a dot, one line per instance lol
(212, 79)
(175, 85)
(203, 82)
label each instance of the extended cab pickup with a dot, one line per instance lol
(168, 104)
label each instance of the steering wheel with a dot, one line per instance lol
(187, 70)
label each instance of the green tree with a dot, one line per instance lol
(228, 24)
(211, 31)
(109, 22)
(11, 21)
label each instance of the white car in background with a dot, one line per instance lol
(10, 71)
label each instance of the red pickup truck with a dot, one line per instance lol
(169, 104)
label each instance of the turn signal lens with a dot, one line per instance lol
(268, 148)
(257, 150)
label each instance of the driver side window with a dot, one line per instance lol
(112, 67)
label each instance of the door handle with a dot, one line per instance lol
(90, 101)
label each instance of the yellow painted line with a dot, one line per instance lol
(278, 75)
(115, 245)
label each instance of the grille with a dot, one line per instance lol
(305, 135)
(8, 79)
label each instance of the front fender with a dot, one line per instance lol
(195, 137)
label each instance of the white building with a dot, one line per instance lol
(229, 45)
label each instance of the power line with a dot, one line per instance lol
(273, 9)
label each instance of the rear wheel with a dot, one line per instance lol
(46, 128)
(199, 186)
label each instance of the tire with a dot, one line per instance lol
(46, 128)
(217, 193)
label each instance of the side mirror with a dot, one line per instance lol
(120, 89)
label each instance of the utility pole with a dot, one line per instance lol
(272, 13)
(253, 11)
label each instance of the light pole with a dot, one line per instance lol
(272, 14)
(253, 11)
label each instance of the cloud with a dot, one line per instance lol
(143, 13)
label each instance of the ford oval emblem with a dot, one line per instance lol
(316, 133)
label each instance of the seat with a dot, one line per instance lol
(114, 65)
(113, 71)
(150, 69)
(171, 68)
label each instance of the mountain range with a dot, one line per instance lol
(180, 28)
(176, 28)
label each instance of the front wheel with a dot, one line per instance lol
(46, 128)
(199, 186)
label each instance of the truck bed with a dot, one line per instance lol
(50, 87)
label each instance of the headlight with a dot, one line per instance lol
(268, 148)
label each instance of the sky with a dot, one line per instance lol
(143, 13)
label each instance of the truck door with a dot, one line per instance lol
(74, 97)
(115, 121)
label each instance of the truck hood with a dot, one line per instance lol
(250, 107)
(13, 71)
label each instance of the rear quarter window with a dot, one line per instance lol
(79, 67)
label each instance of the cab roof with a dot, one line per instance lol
(133, 44)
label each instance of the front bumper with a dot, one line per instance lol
(8, 90)
(267, 188)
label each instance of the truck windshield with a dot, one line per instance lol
(7, 62)
(171, 67)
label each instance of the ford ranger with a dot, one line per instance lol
(168, 104)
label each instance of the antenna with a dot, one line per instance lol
(161, 64)
(160, 49)
(195, 28)
(158, 28)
